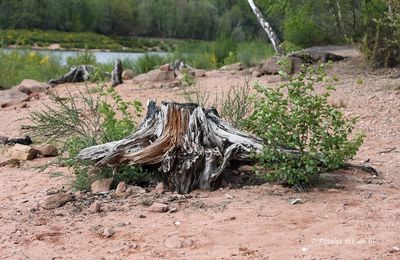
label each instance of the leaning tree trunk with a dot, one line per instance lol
(267, 27)
(191, 146)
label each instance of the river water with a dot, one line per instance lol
(101, 56)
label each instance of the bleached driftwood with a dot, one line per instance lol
(76, 74)
(116, 74)
(191, 146)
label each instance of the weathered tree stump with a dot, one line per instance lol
(76, 74)
(191, 146)
(116, 74)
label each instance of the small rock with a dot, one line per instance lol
(134, 190)
(23, 152)
(102, 186)
(29, 86)
(12, 97)
(198, 73)
(48, 150)
(228, 196)
(245, 168)
(121, 188)
(9, 162)
(232, 67)
(166, 67)
(394, 249)
(57, 200)
(177, 242)
(128, 74)
(156, 76)
(295, 201)
(159, 208)
(3, 139)
(256, 74)
(95, 207)
(173, 210)
(108, 232)
(159, 188)
(271, 66)
(333, 191)
(278, 189)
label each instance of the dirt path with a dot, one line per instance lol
(353, 216)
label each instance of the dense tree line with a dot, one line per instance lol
(303, 22)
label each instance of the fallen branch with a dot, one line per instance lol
(76, 74)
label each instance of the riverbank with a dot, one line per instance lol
(56, 40)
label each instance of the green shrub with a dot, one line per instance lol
(237, 104)
(16, 66)
(86, 120)
(148, 62)
(300, 29)
(83, 58)
(382, 43)
(221, 49)
(289, 47)
(295, 116)
(252, 52)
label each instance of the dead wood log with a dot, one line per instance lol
(116, 74)
(76, 74)
(191, 146)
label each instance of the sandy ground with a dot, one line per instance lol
(353, 215)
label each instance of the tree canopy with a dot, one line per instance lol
(303, 22)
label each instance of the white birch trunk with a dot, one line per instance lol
(266, 26)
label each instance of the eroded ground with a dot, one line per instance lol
(353, 215)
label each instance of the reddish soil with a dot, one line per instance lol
(352, 215)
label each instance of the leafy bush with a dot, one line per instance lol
(250, 53)
(289, 47)
(237, 104)
(148, 62)
(294, 116)
(299, 29)
(221, 49)
(382, 43)
(85, 120)
(16, 66)
(83, 58)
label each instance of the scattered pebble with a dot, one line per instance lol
(108, 232)
(295, 201)
(95, 207)
(159, 208)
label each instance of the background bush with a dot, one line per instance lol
(382, 43)
(16, 66)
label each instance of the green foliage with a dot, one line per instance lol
(252, 52)
(86, 40)
(148, 62)
(299, 29)
(113, 128)
(382, 43)
(83, 58)
(295, 116)
(86, 120)
(289, 47)
(237, 104)
(16, 66)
